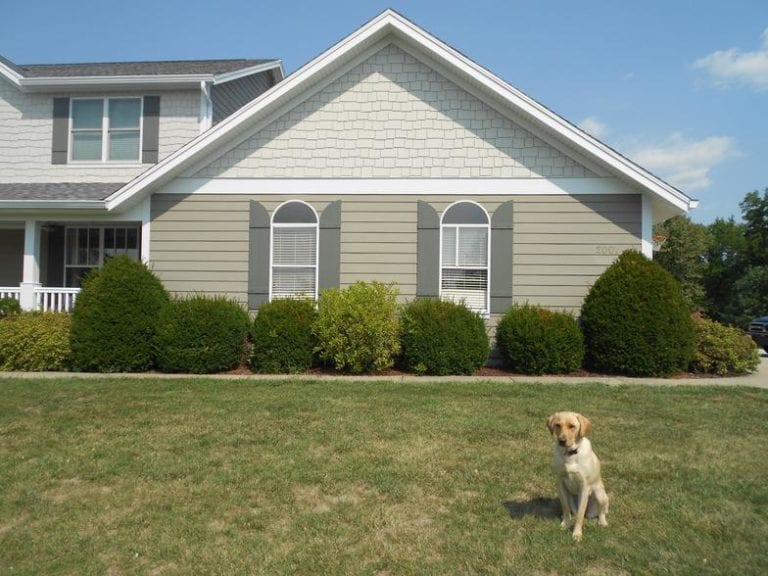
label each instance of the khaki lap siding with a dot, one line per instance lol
(378, 241)
(563, 244)
(199, 243)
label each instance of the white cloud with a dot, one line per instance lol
(685, 163)
(733, 67)
(594, 127)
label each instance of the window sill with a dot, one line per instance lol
(106, 164)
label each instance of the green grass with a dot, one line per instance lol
(239, 477)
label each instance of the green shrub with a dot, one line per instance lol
(357, 328)
(534, 340)
(722, 349)
(440, 338)
(35, 341)
(282, 336)
(9, 306)
(636, 321)
(115, 318)
(201, 335)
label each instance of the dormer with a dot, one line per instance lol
(117, 117)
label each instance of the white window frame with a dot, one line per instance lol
(273, 225)
(105, 131)
(102, 229)
(485, 311)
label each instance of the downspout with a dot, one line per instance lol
(206, 106)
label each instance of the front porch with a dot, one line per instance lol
(42, 263)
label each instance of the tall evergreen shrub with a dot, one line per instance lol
(114, 322)
(636, 321)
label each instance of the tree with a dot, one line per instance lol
(749, 297)
(754, 211)
(683, 255)
(725, 263)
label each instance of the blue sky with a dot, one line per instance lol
(681, 86)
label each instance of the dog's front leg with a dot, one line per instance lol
(565, 504)
(582, 511)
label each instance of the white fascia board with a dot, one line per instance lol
(237, 74)
(78, 82)
(14, 77)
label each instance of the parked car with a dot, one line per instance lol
(758, 329)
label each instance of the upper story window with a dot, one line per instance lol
(464, 250)
(294, 251)
(105, 129)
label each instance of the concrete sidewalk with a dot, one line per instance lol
(758, 379)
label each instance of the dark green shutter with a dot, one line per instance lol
(427, 251)
(150, 142)
(258, 256)
(60, 143)
(502, 240)
(329, 272)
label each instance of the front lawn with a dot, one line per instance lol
(128, 476)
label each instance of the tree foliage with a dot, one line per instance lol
(683, 255)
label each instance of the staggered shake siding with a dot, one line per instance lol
(392, 116)
(559, 244)
(26, 138)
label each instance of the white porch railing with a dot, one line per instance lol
(47, 299)
(56, 299)
(10, 292)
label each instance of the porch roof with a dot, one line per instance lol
(57, 191)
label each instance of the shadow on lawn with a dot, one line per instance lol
(540, 507)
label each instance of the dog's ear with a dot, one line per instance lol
(551, 423)
(585, 426)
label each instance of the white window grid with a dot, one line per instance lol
(484, 309)
(273, 265)
(105, 130)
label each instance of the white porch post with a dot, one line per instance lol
(31, 271)
(646, 226)
(146, 222)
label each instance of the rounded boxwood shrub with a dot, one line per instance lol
(440, 338)
(201, 335)
(635, 320)
(535, 340)
(282, 336)
(115, 318)
(35, 341)
(722, 350)
(357, 327)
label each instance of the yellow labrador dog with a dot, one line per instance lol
(578, 471)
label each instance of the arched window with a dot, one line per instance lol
(293, 271)
(464, 251)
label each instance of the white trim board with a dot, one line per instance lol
(393, 186)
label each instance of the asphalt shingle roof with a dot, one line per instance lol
(67, 191)
(158, 68)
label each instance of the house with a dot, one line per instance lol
(389, 157)
(73, 134)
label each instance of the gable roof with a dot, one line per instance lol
(389, 26)
(41, 77)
